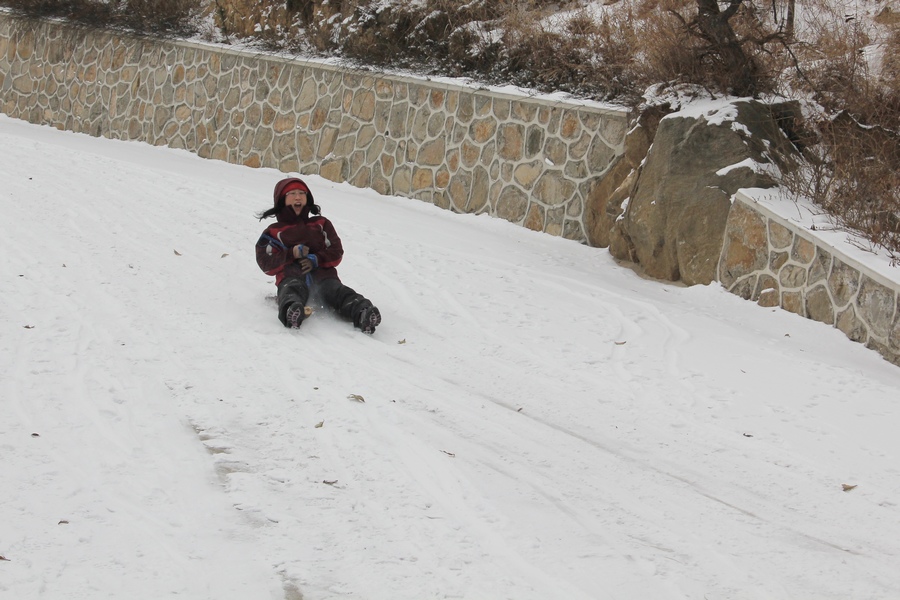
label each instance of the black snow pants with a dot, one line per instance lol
(329, 292)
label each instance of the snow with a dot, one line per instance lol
(538, 421)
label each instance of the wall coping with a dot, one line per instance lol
(446, 83)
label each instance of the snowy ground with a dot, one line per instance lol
(539, 423)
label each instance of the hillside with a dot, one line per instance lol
(536, 421)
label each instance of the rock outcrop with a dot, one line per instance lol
(674, 221)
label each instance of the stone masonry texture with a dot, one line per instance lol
(531, 161)
(776, 263)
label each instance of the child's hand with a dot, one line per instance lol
(300, 251)
(306, 265)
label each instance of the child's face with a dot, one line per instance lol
(296, 199)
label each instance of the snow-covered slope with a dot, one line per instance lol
(538, 422)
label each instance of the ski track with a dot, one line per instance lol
(538, 422)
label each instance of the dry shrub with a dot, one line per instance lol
(854, 171)
(582, 55)
(440, 36)
(668, 52)
(861, 186)
(498, 42)
(79, 11)
(674, 47)
(160, 17)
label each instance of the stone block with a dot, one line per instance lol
(843, 283)
(851, 325)
(818, 270)
(418, 125)
(376, 149)
(819, 306)
(555, 151)
(792, 302)
(502, 109)
(479, 195)
(792, 276)
(579, 148)
(327, 141)
(534, 220)
(527, 173)
(306, 148)
(397, 122)
(284, 123)
(877, 306)
(614, 130)
(365, 136)
(442, 178)
(577, 170)
(553, 188)
(436, 124)
(334, 169)
(766, 283)
(483, 105)
(466, 108)
(384, 89)
(488, 153)
(458, 190)
(401, 179)
(769, 298)
(744, 250)
(570, 127)
(572, 230)
(534, 141)
(362, 178)
(432, 154)
(482, 130)
(523, 111)
(512, 204)
(511, 141)
(451, 104)
(803, 251)
(437, 99)
(574, 208)
(388, 163)
(422, 179)
(441, 200)
(894, 335)
(269, 115)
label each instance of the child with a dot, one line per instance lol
(301, 249)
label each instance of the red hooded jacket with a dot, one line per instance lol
(274, 249)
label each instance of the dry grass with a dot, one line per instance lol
(854, 169)
(159, 17)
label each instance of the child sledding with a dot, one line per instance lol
(302, 250)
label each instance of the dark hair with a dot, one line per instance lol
(313, 209)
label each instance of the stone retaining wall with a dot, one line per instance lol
(768, 259)
(528, 160)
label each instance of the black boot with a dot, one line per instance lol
(367, 317)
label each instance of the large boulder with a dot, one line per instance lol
(674, 222)
(606, 200)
